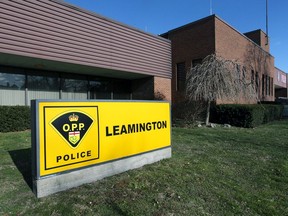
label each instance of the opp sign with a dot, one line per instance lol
(72, 135)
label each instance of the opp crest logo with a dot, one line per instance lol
(72, 126)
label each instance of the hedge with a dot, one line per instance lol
(18, 118)
(272, 112)
(14, 118)
(248, 116)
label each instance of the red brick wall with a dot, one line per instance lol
(231, 44)
(212, 35)
(193, 41)
(162, 88)
(259, 37)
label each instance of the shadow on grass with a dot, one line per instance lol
(22, 160)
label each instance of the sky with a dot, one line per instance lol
(160, 16)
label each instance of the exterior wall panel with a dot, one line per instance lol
(12, 97)
(53, 30)
(32, 94)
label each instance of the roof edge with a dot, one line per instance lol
(188, 24)
(220, 19)
(83, 10)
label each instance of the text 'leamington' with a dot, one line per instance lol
(135, 128)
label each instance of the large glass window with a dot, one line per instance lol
(122, 90)
(12, 88)
(43, 83)
(74, 87)
(19, 86)
(100, 89)
(12, 81)
(43, 86)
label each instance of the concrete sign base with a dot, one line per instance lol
(53, 184)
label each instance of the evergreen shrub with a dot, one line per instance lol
(247, 116)
(14, 118)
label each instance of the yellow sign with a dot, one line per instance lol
(73, 135)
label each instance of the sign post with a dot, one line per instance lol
(76, 142)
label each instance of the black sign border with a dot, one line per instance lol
(44, 124)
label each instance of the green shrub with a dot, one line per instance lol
(189, 111)
(272, 112)
(14, 118)
(248, 116)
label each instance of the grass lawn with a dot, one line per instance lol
(213, 171)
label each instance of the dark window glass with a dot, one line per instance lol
(100, 89)
(272, 86)
(263, 84)
(257, 81)
(43, 83)
(76, 85)
(121, 90)
(266, 84)
(252, 77)
(12, 81)
(181, 76)
(244, 71)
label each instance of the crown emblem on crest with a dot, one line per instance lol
(73, 118)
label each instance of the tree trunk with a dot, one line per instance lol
(208, 112)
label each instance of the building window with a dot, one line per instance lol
(278, 76)
(74, 87)
(12, 81)
(12, 88)
(110, 89)
(252, 77)
(272, 86)
(181, 76)
(267, 85)
(43, 82)
(122, 90)
(263, 85)
(257, 82)
(243, 71)
(19, 86)
(100, 89)
(43, 86)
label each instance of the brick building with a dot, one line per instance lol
(53, 50)
(191, 43)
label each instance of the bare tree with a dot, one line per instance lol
(218, 79)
